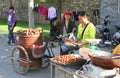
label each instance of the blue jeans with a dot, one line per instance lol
(10, 35)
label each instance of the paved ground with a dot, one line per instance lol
(6, 69)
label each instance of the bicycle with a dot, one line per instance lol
(104, 33)
(17, 60)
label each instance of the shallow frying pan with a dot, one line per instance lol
(71, 46)
(105, 60)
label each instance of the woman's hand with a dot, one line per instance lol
(69, 40)
(74, 29)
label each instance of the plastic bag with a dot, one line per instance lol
(38, 51)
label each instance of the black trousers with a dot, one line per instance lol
(53, 29)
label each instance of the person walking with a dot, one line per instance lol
(11, 24)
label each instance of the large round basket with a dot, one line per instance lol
(27, 41)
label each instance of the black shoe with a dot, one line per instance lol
(8, 43)
(52, 45)
(13, 44)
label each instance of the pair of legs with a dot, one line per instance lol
(10, 35)
(53, 28)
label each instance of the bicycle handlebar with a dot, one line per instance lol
(63, 36)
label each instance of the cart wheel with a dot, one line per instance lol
(20, 64)
(46, 59)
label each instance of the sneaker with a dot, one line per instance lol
(8, 43)
(12, 44)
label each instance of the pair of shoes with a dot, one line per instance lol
(12, 44)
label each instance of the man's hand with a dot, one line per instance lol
(80, 45)
(11, 28)
(3, 8)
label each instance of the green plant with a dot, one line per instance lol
(22, 25)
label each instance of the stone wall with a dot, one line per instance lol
(87, 5)
(110, 7)
(21, 7)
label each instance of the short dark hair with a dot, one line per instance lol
(11, 7)
(82, 13)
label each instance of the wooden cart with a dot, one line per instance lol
(58, 71)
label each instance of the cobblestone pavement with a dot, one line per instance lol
(6, 69)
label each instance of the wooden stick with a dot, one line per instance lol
(115, 57)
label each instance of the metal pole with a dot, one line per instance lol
(31, 13)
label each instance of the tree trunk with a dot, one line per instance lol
(59, 9)
(11, 3)
(31, 13)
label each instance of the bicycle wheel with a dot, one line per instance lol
(46, 59)
(20, 60)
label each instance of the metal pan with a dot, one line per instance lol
(105, 60)
(71, 46)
